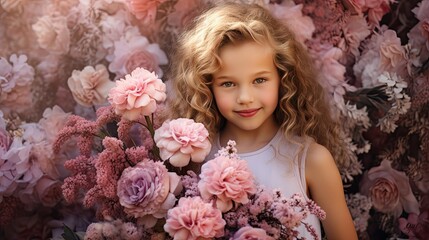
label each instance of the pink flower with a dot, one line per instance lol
(229, 179)
(91, 85)
(148, 189)
(182, 140)
(144, 9)
(291, 15)
(185, 11)
(5, 139)
(194, 219)
(137, 94)
(48, 191)
(391, 52)
(135, 51)
(53, 34)
(248, 232)
(389, 190)
(415, 226)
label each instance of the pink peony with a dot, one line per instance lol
(194, 219)
(137, 94)
(144, 9)
(148, 190)
(229, 179)
(182, 140)
(248, 232)
(389, 190)
(91, 85)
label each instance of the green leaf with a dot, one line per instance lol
(69, 234)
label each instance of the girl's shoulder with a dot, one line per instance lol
(320, 166)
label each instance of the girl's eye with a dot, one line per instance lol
(260, 80)
(227, 84)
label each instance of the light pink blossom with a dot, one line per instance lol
(185, 11)
(135, 51)
(248, 232)
(53, 34)
(137, 94)
(194, 219)
(389, 190)
(148, 189)
(392, 53)
(291, 15)
(91, 85)
(229, 179)
(181, 140)
(16, 73)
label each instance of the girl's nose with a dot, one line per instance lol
(245, 95)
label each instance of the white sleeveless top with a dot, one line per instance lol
(281, 165)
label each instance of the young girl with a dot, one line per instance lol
(242, 74)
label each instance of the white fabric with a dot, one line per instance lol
(281, 165)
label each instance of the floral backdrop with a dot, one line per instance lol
(59, 61)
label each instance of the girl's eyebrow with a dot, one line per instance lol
(255, 74)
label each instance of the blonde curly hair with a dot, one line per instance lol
(302, 108)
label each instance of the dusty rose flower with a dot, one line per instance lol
(144, 9)
(148, 189)
(137, 94)
(91, 85)
(194, 219)
(291, 15)
(136, 51)
(185, 11)
(389, 190)
(53, 34)
(416, 226)
(182, 140)
(16, 73)
(248, 232)
(391, 51)
(48, 191)
(229, 179)
(12, 5)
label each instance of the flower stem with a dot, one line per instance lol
(149, 126)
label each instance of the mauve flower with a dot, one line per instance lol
(291, 15)
(184, 12)
(391, 51)
(229, 179)
(248, 233)
(91, 85)
(131, 52)
(148, 189)
(144, 10)
(416, 227)
(182, 140)
(194, 219)
(5, 138)
(389, 190)
(48, 191)
(16, 73)
(53, 34)
(137, 94)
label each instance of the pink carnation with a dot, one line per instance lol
(194, 219)
(229, 179)
(148, 189)
(137, 94)
(251, 233)
(182, 140)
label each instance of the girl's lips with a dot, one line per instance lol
(247, 112)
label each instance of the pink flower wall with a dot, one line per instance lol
(59, 58)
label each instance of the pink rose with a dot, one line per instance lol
(248, 232)
(137, 94)
(91, 85)
(182, 140)
(229, 179)
(389, 190)
(148, 190)
(144, 9)
(194, 219)
(48, 191)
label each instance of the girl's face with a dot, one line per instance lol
(246, 88)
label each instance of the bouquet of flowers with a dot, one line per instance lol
(130, 169)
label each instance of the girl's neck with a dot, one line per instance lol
(248, 141)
